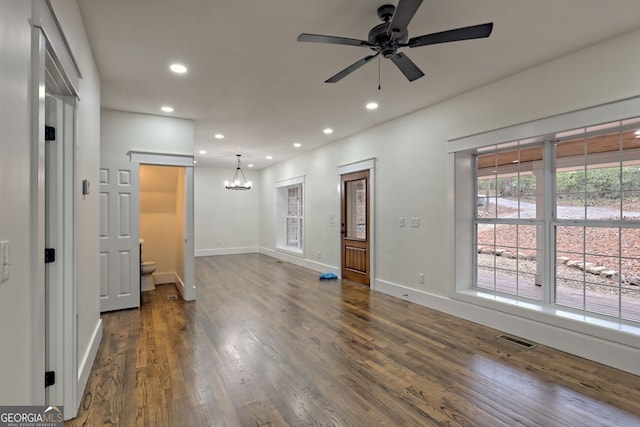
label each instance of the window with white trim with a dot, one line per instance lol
(557, 219)
(290, 215)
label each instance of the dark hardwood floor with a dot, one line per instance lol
(268, 344)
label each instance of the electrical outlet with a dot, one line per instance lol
(421, 279)
(319, 254)
(415, 221)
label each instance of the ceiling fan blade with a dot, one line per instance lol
(465, 33)
(318, 38)
(350, 69)
(408, 68)
(403, 15)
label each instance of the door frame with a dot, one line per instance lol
(188, 288)
(50, 56)
(363, 165)
(60, 295)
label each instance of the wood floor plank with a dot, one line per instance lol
(268, 344)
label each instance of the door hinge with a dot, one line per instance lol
(49, 133)
(49, 378)
(49, 255)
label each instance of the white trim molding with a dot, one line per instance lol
(150, 158)
(85, 366)
(226, 251)
(302, 262)
(357, 166)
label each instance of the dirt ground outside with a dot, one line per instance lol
(604, 247)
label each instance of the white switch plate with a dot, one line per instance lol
(401, 221)
(4, 261)
(415, 221)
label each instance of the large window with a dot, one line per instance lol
(290, 216)
(557, 219)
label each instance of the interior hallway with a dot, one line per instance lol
(267, 343)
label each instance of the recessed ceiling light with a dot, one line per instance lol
(178, 68)
(218, 136)
(202, 152)
(328, 131)
(372, 106)
(269, 157)
(297, 144)
(250, 165)
(167, 109)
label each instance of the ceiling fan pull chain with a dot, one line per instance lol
(379, 72)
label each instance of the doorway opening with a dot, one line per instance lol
(356, 241)
(162, 225)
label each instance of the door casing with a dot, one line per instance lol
(367, 164)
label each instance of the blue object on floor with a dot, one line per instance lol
(328, 276)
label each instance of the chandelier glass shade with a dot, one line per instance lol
(237, 183)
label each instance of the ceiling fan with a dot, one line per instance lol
(388, 37)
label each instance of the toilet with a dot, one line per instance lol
(146, 270)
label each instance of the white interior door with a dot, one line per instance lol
(119, 231)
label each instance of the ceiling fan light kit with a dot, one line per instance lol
(385, 39)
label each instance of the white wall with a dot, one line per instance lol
(226, 221)
(411, 169)
(15, 294)
(122, 132)
(18, 330)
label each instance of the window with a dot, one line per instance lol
(294, 216)
(596, 226)
(557, 219)
(509, 219)
(290, 216)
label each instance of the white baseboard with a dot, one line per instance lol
(226, 251)
(600, 350)
(293, 259)
(303, 262)
(181, 286)
(86, 363)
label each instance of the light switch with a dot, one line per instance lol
(4, 261)
(415, 221)
(401, 221)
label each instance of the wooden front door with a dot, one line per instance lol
(355, 227)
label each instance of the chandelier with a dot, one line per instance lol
(236, 184)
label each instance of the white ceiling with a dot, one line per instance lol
(252, 81)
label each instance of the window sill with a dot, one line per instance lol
(586, 323)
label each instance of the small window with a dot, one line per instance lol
(290, 216)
